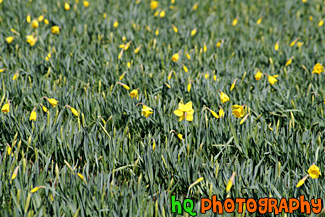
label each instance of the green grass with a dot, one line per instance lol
(123, 174)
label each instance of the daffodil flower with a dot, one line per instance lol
(272, 79)
(193, 32)
(224, 97)
(314, 172)
(234, 22)
(43, 108)
(185, 111)
(174, 28)
(214, 114)
(9, 39)
(137, 49)
(146, 111)
(31, 40)
(52, 101)
(6, 107)
(55, 29)
(154, 5)
(230, 182)
(238, 111)
(35, 24)
(289, 61)
(302, 181)
(73, 111)
(276, 46)
(258, 75)
(318, 68)
(134, 93)
(33, 115)
(179, 136)
(86, 4)
(115, 24)
(175, 57)
(66, 6)
(124, 85)
(221, 112)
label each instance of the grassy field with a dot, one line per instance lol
(124, 68)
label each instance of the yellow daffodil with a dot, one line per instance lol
(162, 14)
(43, 108)
(272, 79)
(73, 111)
(193, 32)
(179, 136)
(14, 175)
(214, 114)
(174, 28)
(46, 21)
(224, 97)
(189, 86)
(48, 57)
(55, 29)
(244, 119)
(16, 75)
(258, 75)
(188, 56)
(259, 21)
(31, 40)
(115, 24)
(33, 115)
(289, 61)
(294, 42)
(122, 76)
(9, 150)
(66, 6)
(9, 39)
(195, 6)
(137, 49)
(86, 4)
(185, 68)
(238, 111)
(230, 182)
(218, 44)
(53, 102)
(302, 181)
(157, 32)
(321, 23)
(154, 5)
(28, 18)
(146, 111)
(185, 111)
(276, 46)
(314, 172)
(205, 48)
(221, 112)
(134, 93)
(124, 85)
(34, 190)
(318, 68)
(234, 22)
(299, 44)
(35, 24)
(40, 18)
(175, 57)
(233, 85)
(6, 107)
